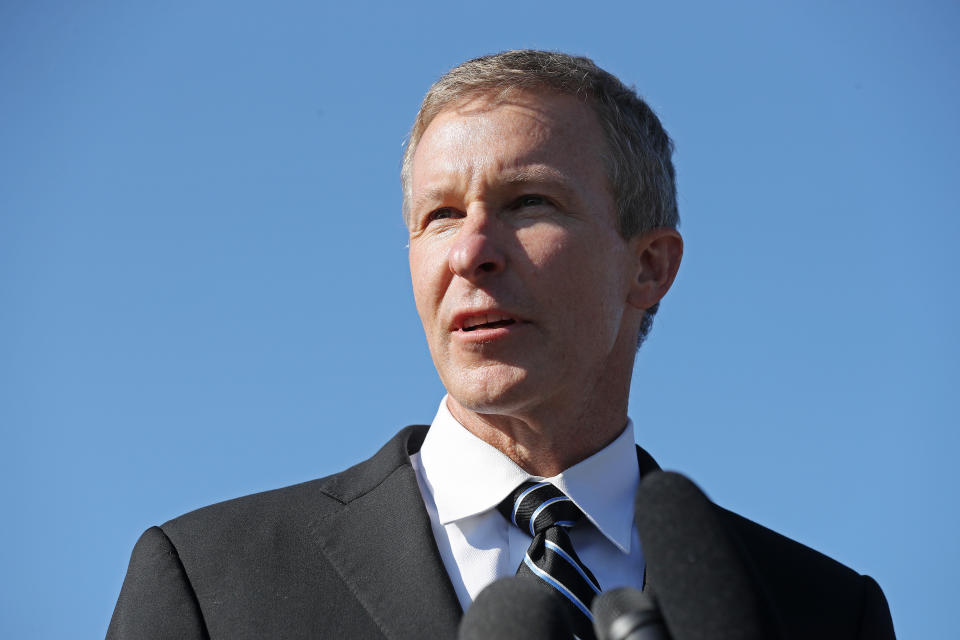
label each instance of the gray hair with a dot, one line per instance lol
(638, 158)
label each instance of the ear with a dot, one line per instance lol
(658, 253)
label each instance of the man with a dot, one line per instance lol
(539, 195)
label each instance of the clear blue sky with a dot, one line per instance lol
(203, 269)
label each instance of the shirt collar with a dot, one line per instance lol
(467, 476)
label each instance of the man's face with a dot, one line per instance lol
(519, 274)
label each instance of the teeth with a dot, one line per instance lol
(475, 321)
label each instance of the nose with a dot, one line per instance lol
(476, 252)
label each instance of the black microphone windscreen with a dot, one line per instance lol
(625, 613)
(704, 587)
(515, 608)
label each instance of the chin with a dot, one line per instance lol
(493, 390)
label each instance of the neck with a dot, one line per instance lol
(545, 441)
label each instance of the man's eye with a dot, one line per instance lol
(530, 200)
(441, 214)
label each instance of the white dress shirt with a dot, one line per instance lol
(462, 479)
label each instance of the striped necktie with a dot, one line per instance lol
(543, 511)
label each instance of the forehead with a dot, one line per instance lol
(502, 133)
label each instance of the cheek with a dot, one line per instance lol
(591, 274)
(427, 270)
(564, 265)
(549, 249)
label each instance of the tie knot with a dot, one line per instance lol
(537, 506)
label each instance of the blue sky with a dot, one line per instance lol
(203, 273)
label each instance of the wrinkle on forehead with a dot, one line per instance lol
(531, 105)
(465, 128)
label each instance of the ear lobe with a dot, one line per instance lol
(658, 253)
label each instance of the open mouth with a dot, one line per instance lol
(496, 324)
(490, 320)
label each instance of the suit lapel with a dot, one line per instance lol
(647, 466)
(382, 545)
(646, 462)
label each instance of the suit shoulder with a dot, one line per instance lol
(813, 595)
(261, 507)
(763, 544)
(298, 506)
(156, 599)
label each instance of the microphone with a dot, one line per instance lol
(627, 614)
(704, 587)
(515, 608)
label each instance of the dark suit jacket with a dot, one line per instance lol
(353, 556)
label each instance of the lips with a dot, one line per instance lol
(483, 320)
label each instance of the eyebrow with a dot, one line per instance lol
(539, 174)
(433, 194)
(530, 175)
